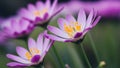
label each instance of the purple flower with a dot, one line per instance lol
(108, 9)
(33, 56)
(71, 29)
(41, 12)
(2, 37)
(16, 27)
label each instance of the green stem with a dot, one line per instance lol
(86, 58)
(93, 47)
(59, 59)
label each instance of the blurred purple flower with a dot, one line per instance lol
(41, 12)
(1, 19)
(73, 30)
(16, 27)
(33, 56)
(107, 9)
(2, 37)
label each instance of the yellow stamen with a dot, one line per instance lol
(68, 29)
(72, 28)
(34, 51)
(40, 13)
(77, 26)
(44, 11)
(37, 13)
(28, 55)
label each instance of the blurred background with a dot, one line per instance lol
(106, 35)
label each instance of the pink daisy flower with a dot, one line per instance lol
(16, 27)
(71, 29)
(41, 12)
(34, 55)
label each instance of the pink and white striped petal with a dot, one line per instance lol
(18, 59)
(31, 7)
(82, 18)
(40, 42)
(31, 44)
(70, 19)
(16, 64)
(61, 22)
(21, 52)
(53, 37)
(53, 7)
(46, 43)
(89, 19)
(57, 32)
(47, 4)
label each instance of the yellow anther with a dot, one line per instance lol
(44, 11)
(68, 29)
(40, 13)
(77, 26)
(37, 51)
(34, 51)
(37, 13)
(28, 55)
(72, 28)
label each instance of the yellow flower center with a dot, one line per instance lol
(37, 13)
(40, 13)
(33, 51)
(77, 26)
(72, 28)
(28, 56)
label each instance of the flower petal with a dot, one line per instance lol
(82, 18)
(47, 3)
(57, 32)
(46, 50)
(15, 64)
(21, 52)
(31, 7)
(23, 11)
(46, 43)
(15, 25)
(39, 5)
(53, 37)
(18, 59)
(56, 12)
(49, 45)
(53, 6)
(90, 18)
(60, 23)
(8, 31)
(42, 56)
(24, 23)
(70, 19)
(96, 21)
(40, 42)
(26, 14)
(31, 43)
